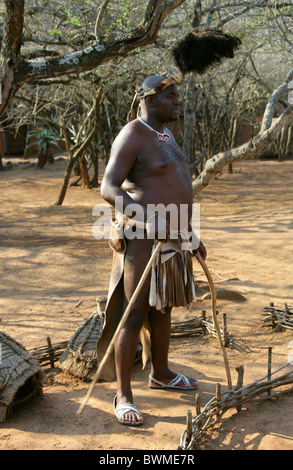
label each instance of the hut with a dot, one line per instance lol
(21, 375)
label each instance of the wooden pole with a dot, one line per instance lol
(197, 404)
(240, 372)
(218, 394)
(215, 320)
(188, 426)
(120, 325)
(269, 369)
(225, 330)
(51, 352)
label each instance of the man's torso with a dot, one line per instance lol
(160, 174)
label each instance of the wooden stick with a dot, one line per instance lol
(218, 393)
(215, 320)
(120, 325)
(188, 426)
(197, 404)
(269, 368)
(240, 372)
(51, 352)
(225, 330)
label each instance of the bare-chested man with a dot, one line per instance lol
(146, 167)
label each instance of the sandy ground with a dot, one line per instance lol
(52, 270)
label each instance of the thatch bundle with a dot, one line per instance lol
(20, 375)
(80, 356)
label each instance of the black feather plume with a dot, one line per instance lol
(199, 50)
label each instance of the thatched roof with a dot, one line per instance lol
(17, 369)
(80, 356)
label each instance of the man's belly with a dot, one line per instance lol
(173, 205)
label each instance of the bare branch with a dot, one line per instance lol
(99, 19)
(210, 15)
(113, 46)
(232, 16)
(269, 111)
(253, 147)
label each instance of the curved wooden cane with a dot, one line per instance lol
(214, 313)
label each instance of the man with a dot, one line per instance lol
(146, 167)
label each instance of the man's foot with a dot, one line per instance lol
(127, 414)
(179, 382)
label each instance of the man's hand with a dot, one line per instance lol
(201, 250)
(158, 228)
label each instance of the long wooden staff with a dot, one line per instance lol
(215, 320)
(120, 325)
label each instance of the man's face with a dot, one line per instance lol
(165, 105)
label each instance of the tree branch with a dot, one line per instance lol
(270, 107)
(235, 14)
(99, 19)
(112, 46)
(254, 147)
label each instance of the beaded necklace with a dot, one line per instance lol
(163, 137)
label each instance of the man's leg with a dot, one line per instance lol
(137, 256)
(160, 336)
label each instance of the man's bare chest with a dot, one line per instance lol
(161, 157)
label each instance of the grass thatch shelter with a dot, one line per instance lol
(80, 356)
(20, 375)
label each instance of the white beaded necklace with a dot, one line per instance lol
(164, 137)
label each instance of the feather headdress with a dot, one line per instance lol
(197, 51)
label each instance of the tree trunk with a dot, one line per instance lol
(189, 120)
(95, 178)
(189, 108)
(72, 159)
(84, 172)
(10, 50)
(65, 182)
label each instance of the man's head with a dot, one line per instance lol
(151, 86)
(159, 99)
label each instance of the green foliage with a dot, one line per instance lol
(72, 20)
(55, 31)
(43, 138)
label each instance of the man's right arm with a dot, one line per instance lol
(124, 152)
